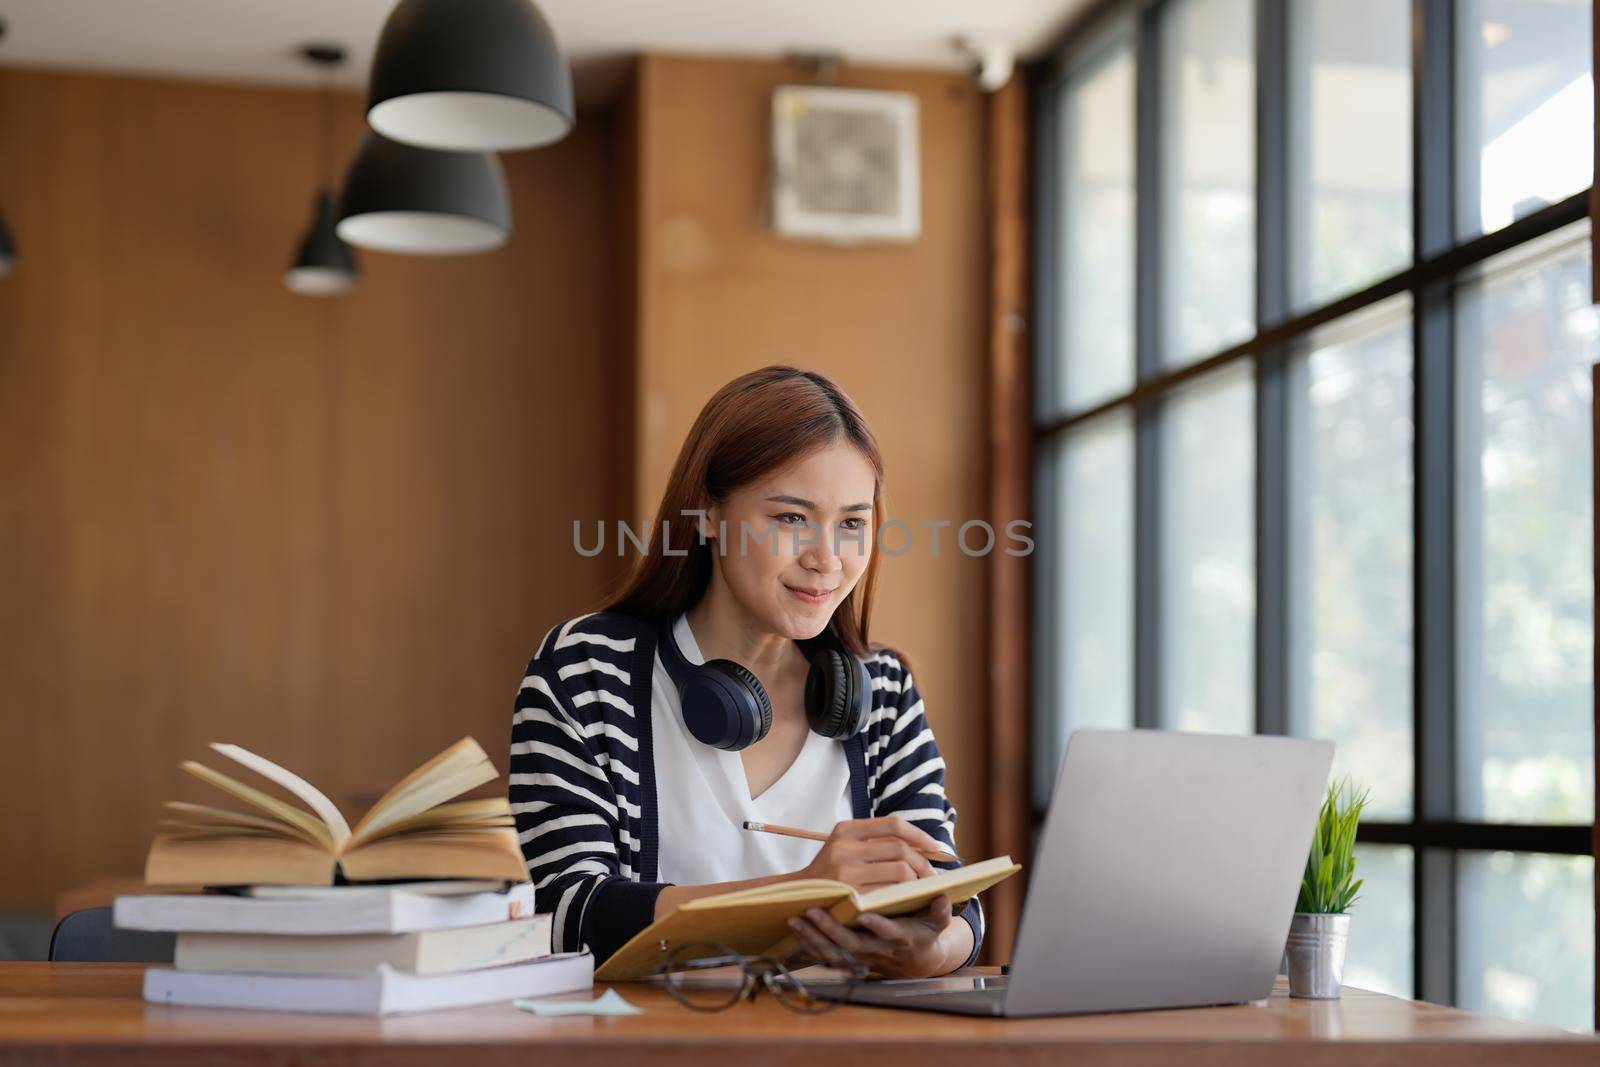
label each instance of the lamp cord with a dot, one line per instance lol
(325, 121)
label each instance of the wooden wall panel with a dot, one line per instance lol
(901, 326)
(331, 529)
(1010, 497)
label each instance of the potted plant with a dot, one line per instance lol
(1320, 930)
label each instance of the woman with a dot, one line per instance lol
(732, 680)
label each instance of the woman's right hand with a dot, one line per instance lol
(867, 853)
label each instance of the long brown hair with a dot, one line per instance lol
(754, 425)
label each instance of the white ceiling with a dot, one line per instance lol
(255, 40)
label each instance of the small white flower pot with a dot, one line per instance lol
(1315, 954)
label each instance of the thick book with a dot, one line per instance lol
(756, 921)
(346, 910)
(415, 830)
(464, 948)
(382, 991)
(447, 887)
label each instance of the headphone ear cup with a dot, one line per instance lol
(860, 706)
(724, 705)
(756, 707)
(831, 694)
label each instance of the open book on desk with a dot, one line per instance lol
(417, 830)
(756, 921)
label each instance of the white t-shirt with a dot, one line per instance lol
(703, 797)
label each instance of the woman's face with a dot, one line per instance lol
(798, 540)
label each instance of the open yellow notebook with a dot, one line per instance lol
(411, 832)
(755, 921)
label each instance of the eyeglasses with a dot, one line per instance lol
(685, 975)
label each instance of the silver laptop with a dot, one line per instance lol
(1165, 877)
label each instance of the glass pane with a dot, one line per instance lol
(1094, 590)
(1526, 335)
(1526, 108)
(1208, 190)
(1095, 250)
(1207, 584)
(1380, 953)
(1350, 550)
(1090, 663)
(1349, 145)
(1525, 947)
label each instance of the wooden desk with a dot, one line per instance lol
(91, 1013)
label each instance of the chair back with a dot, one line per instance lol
(88, 936)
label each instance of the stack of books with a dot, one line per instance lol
(347, 949)
(434, 911)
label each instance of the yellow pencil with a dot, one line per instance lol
(937, 855)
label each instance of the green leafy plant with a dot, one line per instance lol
(1330, 885)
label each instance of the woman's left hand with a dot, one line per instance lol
(908, 946)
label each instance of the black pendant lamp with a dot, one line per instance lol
(8, 247)
(8, 250)
(324, 265)
(399, 198)
(469, 75)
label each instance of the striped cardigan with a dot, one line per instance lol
(583, 784)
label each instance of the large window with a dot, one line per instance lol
(1315, 440)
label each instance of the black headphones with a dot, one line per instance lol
(726, 706)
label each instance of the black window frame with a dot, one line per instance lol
(1436, 833)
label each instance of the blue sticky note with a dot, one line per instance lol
(609, 1004)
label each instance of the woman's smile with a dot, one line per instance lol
(808, 596)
